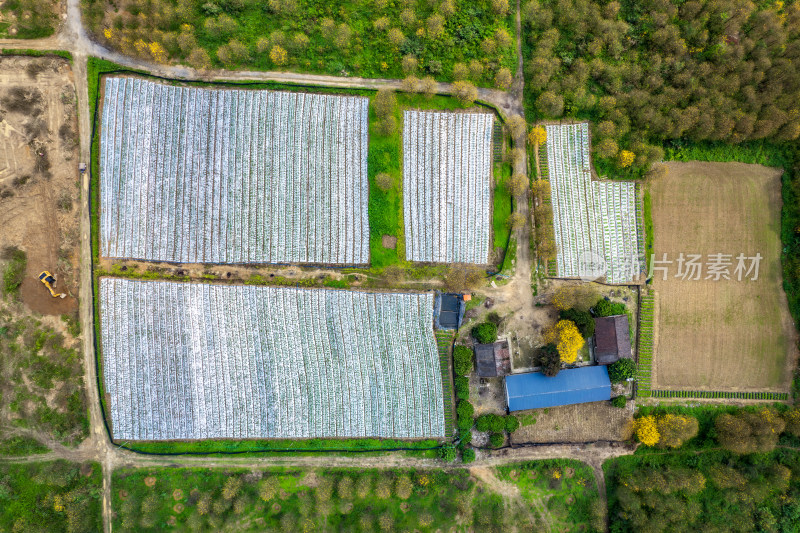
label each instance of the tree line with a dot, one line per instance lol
(660, 71)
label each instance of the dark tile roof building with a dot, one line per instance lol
(493, 359)
(448, 311)
(612, 340)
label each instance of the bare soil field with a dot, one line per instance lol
(41, 394)
(39, 176)
(724, 335)
(586, 422)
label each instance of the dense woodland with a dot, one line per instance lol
(445, 39)
(656, 73)
(727, 469)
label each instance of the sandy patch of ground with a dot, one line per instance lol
(727, 334)
(39, 174)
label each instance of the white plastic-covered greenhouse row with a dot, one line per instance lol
(201, 175)
(447, 178)
(597, 217)
(202, 361)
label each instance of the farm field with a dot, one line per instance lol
(42, 398)
(515, 497)
(576, 423)
(726, 335)
(195, 175)
(50, 496)
(239, 362)
(447, 177)
(589, 215)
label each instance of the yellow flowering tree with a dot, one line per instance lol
(567, 338)
(278, 55)
(674, 430)
(625, 158)
(646, 430)
(537, 136)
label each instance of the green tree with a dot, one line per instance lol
(621, 370)
(462, 360)
(497, 440)
(468, 455)
(447, 453)
(512, 423)
(548, 360)
(607, 308)
(462, 387)
(485, 333)
(582, 319)
(749, 432)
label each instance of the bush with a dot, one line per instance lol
(462, 360)
(485, 333)
(497, 439)
(482, 423)
(496, 423)
(447, 452)
(468, 455)
(607, 308)
(384, 181)
(465, 436)
(512, 423)
(15, 270)
(494, 318)
(619, 401)
(622, 370)
(582, 319)
(462, 388)
(465, 410)
(464, 424)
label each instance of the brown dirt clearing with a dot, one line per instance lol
(585, 422)
(727, 334)
(38, 176)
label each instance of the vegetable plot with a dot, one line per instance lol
(447, 186)
(201, 361)
(232, 176)
(598, 217)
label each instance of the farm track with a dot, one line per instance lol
(98, 447)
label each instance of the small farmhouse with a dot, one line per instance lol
(494, 360)
(449, 310)
(612, 340)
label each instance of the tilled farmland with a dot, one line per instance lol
(233, 362)
(232, 176)
(447, 180)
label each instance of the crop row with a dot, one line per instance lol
(232, 176)
(200, 361)
(447, 186)
(771, 396)
(597, 217)
(645, 352)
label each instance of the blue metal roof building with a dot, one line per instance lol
(577, 385)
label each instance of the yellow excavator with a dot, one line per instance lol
(48, 280)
